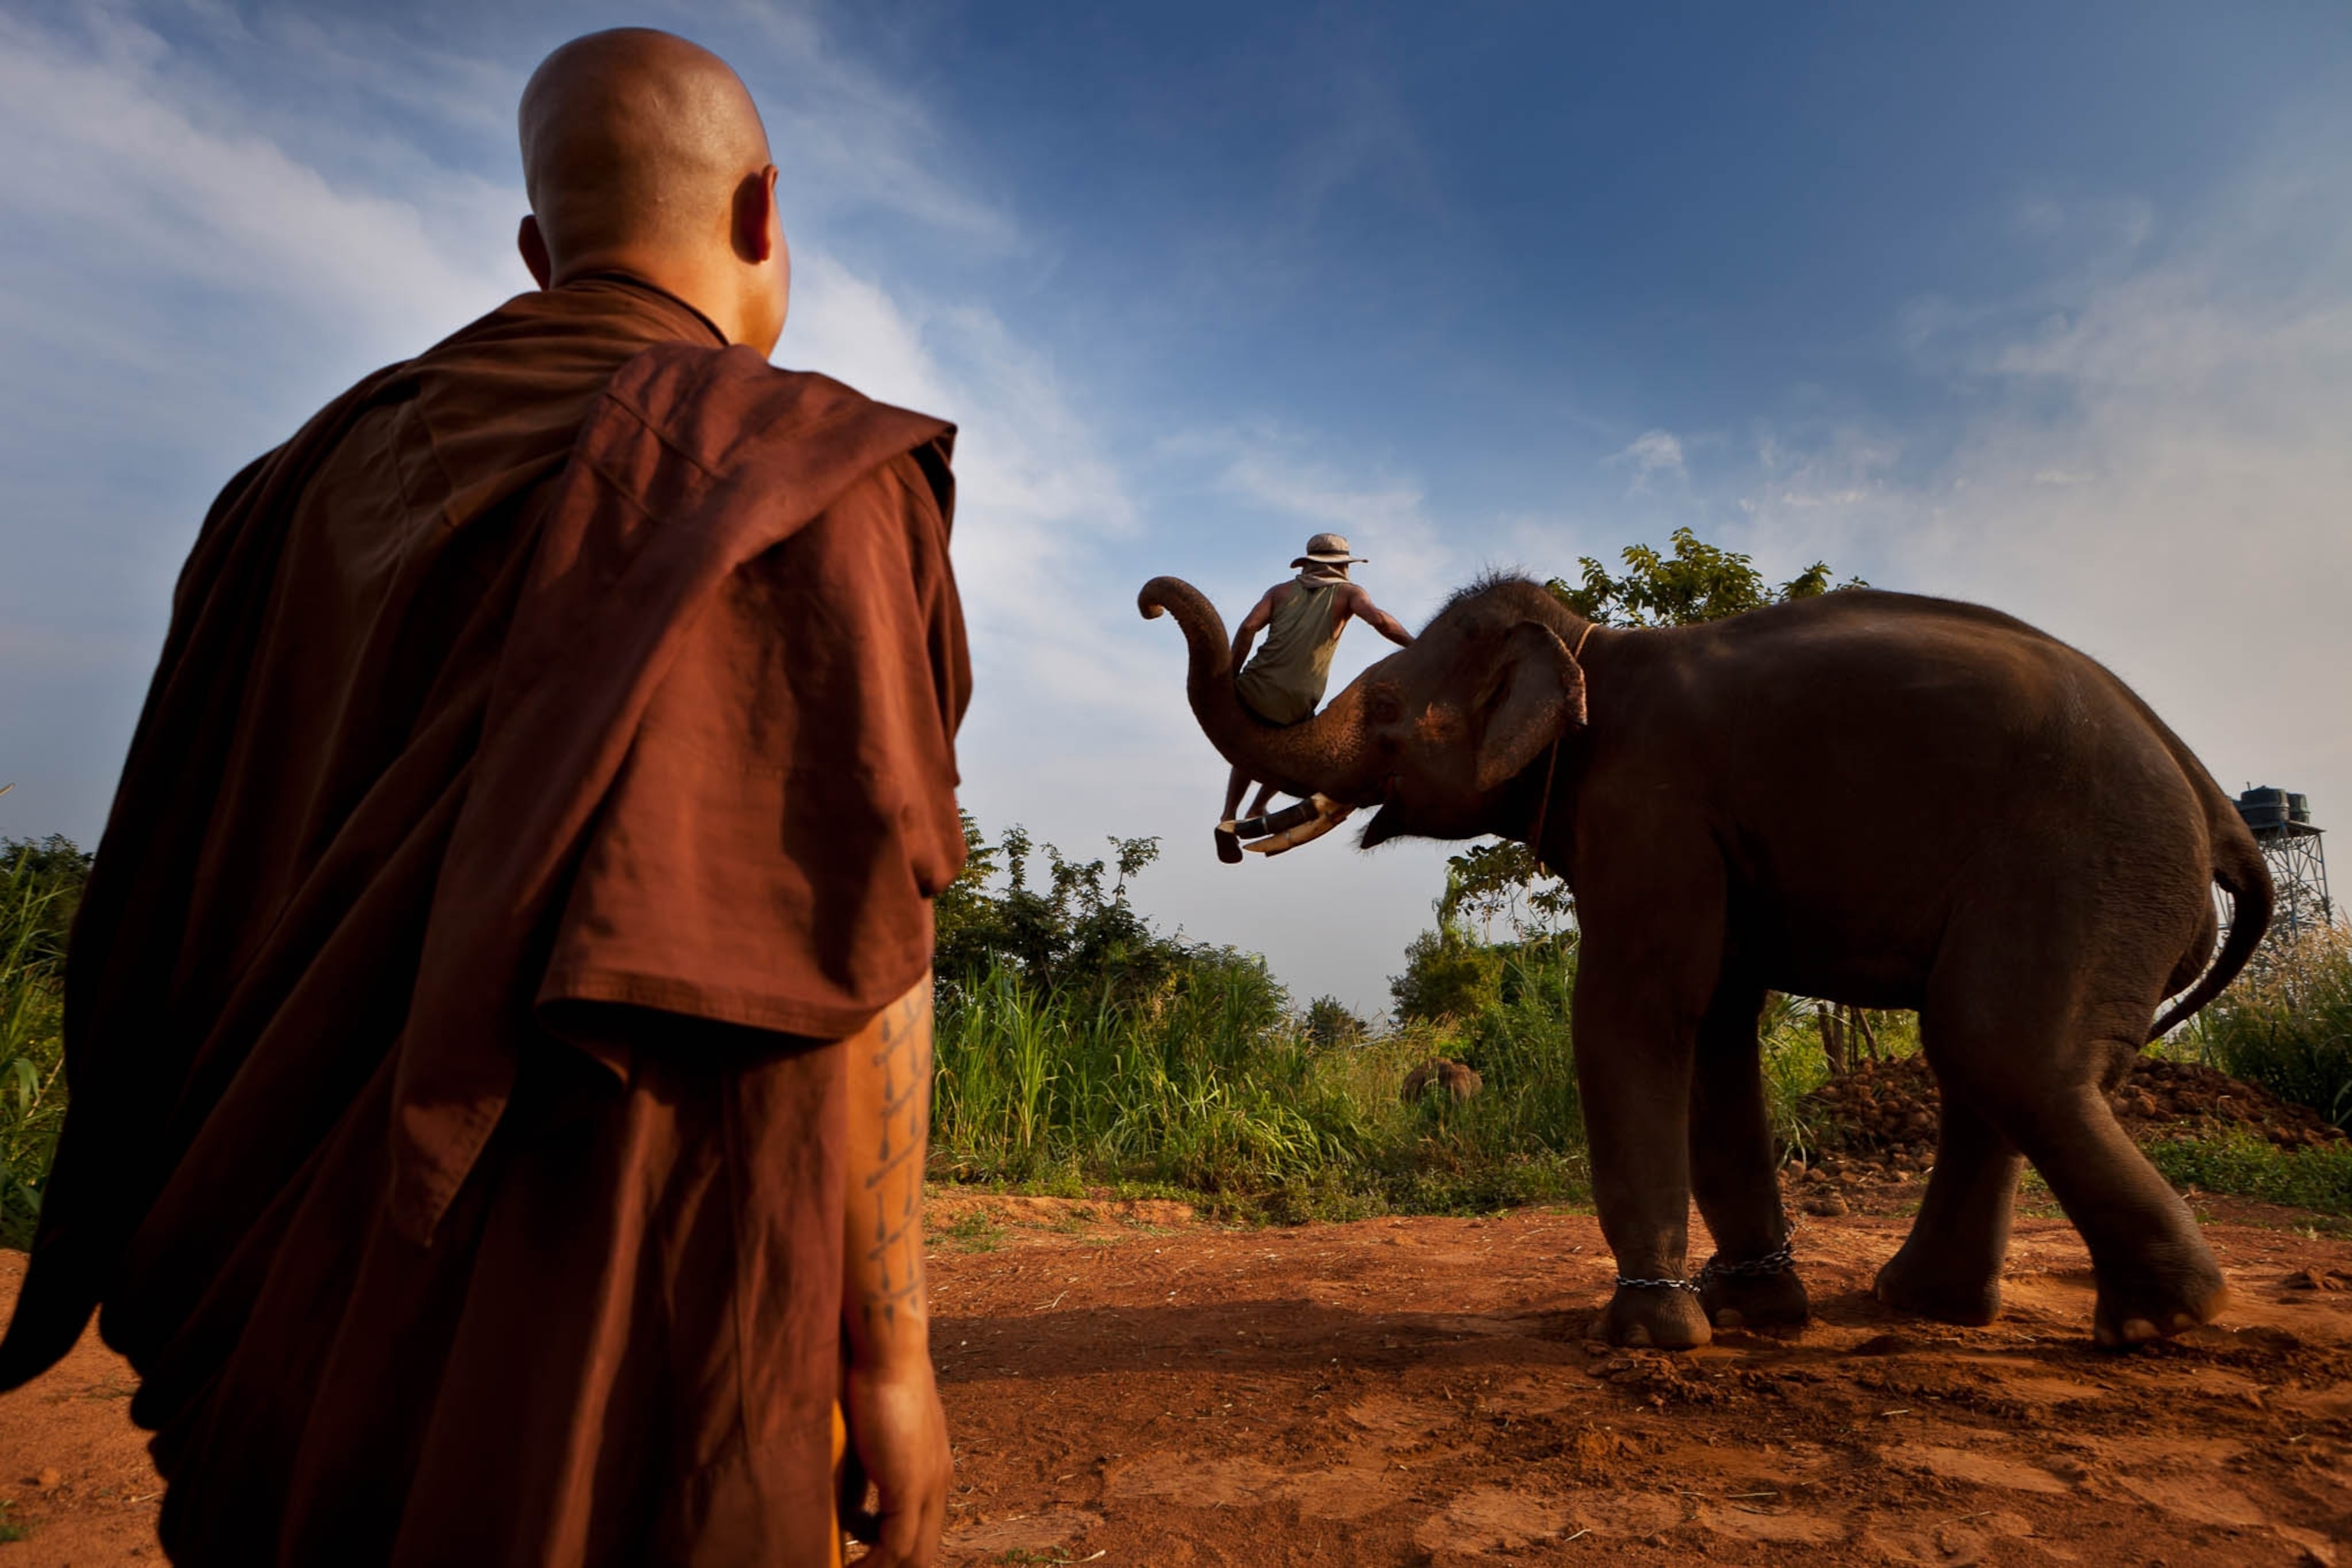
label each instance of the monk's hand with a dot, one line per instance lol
(898, 1442)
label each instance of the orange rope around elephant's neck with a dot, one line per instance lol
(1551, 758)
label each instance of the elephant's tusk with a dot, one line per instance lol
(1330, 814)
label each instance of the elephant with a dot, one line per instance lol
(1456, 1081)
(1875, 798)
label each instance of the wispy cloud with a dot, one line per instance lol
(848, 137)
(150, 187)
(1653, 455)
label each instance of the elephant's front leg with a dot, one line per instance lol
(1751, 1281)
(1634, 1068)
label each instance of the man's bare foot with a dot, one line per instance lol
(1229, 844)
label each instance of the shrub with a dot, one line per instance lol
(2251, 1167)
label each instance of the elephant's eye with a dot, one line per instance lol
(1382, 705)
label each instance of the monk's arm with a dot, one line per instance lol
(890, 1398)
(1255, 623)
(1361, 605)
(884, 1310)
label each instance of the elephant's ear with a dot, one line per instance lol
(1536, 696)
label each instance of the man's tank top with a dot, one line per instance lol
(1284, 679)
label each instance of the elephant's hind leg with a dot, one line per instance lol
(1732, 1176)
(2155, 1275)
(1950, 1266)
(2028, 1060)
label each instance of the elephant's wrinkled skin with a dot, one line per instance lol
(1878, 799)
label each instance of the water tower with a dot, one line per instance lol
(2281, 825)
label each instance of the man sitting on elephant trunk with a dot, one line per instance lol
(1285, 682)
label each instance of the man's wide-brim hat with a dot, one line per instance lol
(1326, 550)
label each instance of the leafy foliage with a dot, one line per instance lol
(1501, 881)
(1073, 931)
(1699, 582)
(1448, 975)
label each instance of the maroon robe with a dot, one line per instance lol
(553, 746)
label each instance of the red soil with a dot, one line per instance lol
(1131, 1387)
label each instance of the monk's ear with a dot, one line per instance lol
(758, 229)
(533, 246)
(1534, 695)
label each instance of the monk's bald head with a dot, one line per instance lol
(634, 137)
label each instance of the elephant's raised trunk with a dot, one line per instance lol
(1324, 753)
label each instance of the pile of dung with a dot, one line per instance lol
(1884, 1112)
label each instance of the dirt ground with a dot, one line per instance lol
(1128, 1386)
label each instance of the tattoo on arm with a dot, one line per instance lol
(888, 1208)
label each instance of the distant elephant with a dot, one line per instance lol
(1459, 1081)
(1875, 798)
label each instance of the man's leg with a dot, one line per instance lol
(1235, 787)
(1229, 844)
(1265, 793)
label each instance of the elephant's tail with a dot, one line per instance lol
(2240, 869)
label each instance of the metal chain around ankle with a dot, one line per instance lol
(1778, 1260)
(1781, 1258)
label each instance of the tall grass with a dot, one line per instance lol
(1203, 1083)
(40, 884)
(1207, 1083)
(2287, 1025)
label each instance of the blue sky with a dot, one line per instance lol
(2048, 308)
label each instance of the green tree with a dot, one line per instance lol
(1330, 1022)
(1067, 929)
(1500, 881)
(1699, 582)
(1447, 974)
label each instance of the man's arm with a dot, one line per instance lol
(1255, 622)
(890, 1398)
(1360, 605)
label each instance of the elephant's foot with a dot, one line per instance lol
(2157, 1303)
(1913, 1283)
(1754, 1300)
(1655, 1317)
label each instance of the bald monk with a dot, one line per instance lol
(498, 1023)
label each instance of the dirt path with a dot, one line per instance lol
(1128, 1388)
